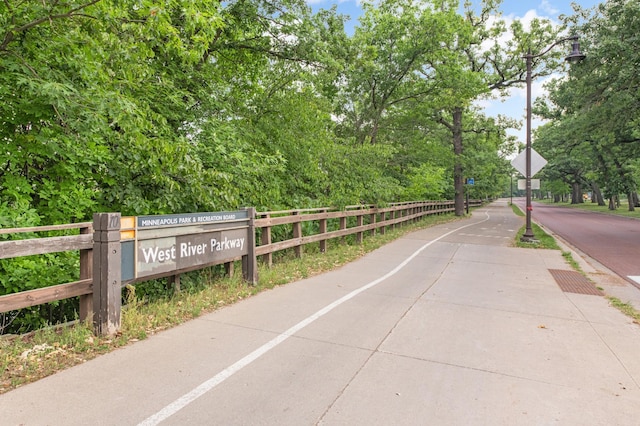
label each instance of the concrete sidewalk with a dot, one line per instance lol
(445, 326)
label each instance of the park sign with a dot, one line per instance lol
(154, 246)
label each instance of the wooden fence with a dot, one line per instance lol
(275, 231)
(366, 218)
(82, 288)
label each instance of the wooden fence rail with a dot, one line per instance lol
(379, 219)
(276, 231)
(35, 246)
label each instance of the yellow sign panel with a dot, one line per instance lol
(128, 235)
(128, 228)
(128, 222)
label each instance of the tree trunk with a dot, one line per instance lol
(633, 200)
(374, 131)
(596, 195)
(612, 203)
(576, 196)
(458, 176)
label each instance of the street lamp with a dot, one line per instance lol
(573, 57)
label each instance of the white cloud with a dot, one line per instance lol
(547, 7)
(529, 16)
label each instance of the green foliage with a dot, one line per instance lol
(595, 110)
(357, 175)
(33, 272)
(150, 108)
(427, 183)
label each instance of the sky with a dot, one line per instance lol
(515, 105)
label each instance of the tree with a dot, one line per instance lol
(487, 65)
(114, 112)
(393, 54)
(597, 104)
(147, 109)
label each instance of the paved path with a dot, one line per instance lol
(445, 326)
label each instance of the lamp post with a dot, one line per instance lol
(574, 56)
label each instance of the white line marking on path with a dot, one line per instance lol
(636, 278)
(205, 387)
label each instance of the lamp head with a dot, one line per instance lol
(576, 55)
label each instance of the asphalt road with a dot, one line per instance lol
(613, 241)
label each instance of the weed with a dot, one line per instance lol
(625, 308)
(568, 257)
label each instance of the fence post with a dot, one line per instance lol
(173, 281)
(372, 221)
(107, 274)
(323, 230)
(249, 261)
(229, 269)
(86, 271)
(265, 238)
(297, 233)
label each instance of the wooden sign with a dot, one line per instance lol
(161, 245)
